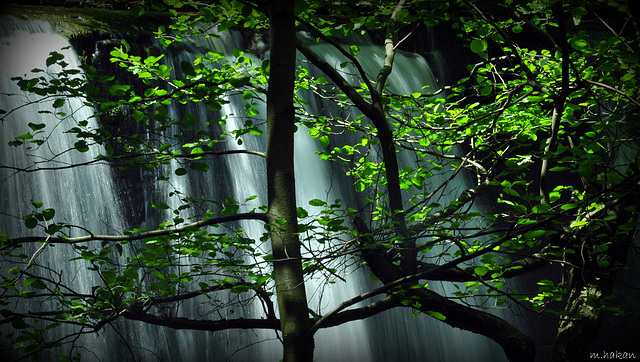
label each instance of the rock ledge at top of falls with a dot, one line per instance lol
(72, 22)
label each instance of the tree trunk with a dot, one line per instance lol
(577, 332)
(591, 284)
(287, 263)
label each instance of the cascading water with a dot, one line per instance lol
(398, 327)
(80, 196)
(93, 203)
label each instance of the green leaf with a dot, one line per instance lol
(601, 248)
(627, 77)
(18, 323)
(436, 315)
(119, 90)
(35, 283)
(418, 181)
(481, 270)
(314, 133)
(126, 45)
(302, 213)
(545, 282)
(59, 102)
(110, 150)
(199, 166)
(266, 66)
(579, 44)
(81, 146)
(486, 90)
(54, 57)
(164, 147)
(181, 171)
(240, 82)
(258, 279)
(603, 263)
(568, 206)
(187, 68)
(29, 281)
(374, 277)
(136, 11)
(109, 276)
(541, 208)
(354, 50)
(25, 136)
(53, 228)
(248, 94)
(534, 234)
(324, 141)
(230, 210)
(577, 224)
(402, 14)
(478, 45)
(160, 206)
(317, 202)
(31, 222)
(48, 214)
(239, 289)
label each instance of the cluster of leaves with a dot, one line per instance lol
(497, 125)
(529, 159)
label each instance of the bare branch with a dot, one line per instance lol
(389, 48)
(139, 236)
(361, 313)
(202, 325)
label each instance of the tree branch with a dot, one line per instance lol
(337, 78)
(138, 236)
(606, 86)
(200, 325)
(403, 280)
(389, 50)
(457, 274)
(517, 346)
(348, 55)
(558, 109)
(367, 311)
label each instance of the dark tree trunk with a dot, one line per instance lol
(590, 282)
(287, 263)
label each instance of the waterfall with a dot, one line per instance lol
(88, 196)
(80, 196)
(427, 338)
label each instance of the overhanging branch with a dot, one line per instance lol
(138, 236)
(202, 325)
(361, 313)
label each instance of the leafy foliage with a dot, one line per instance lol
(529, 160)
